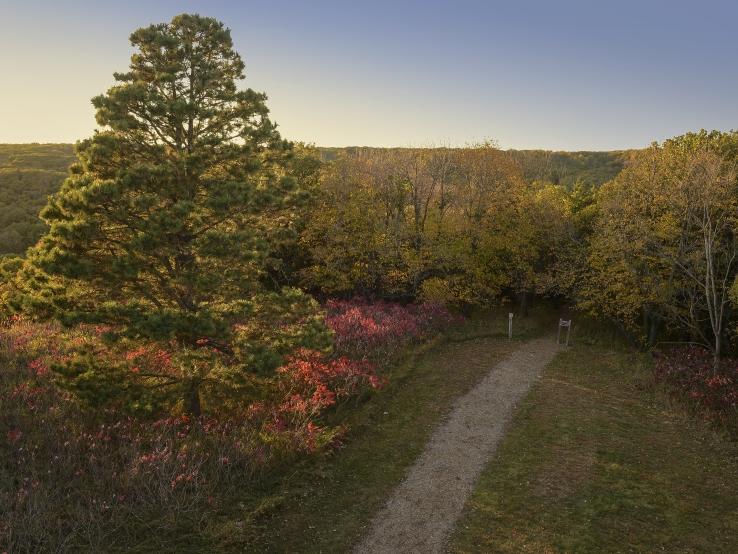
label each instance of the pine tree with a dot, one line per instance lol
(165, 227)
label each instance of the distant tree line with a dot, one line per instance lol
(466, 225)
(29, 173)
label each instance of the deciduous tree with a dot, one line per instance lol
(664, 247)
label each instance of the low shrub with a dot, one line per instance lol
(710, 390)
(72, 471)
(378, 329)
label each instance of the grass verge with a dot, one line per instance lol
(598, 460)
(325, 505)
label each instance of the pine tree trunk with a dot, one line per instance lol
(192, 399)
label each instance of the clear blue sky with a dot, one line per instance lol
(562, 74)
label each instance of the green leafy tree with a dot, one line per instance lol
(166, 228)
(664, 249)
(432, 223)
(344, 238)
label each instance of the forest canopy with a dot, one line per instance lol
(28, 174)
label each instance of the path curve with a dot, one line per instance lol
(422, 512)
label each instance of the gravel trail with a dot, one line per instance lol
(422, 512)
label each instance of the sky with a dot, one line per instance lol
(563, 75)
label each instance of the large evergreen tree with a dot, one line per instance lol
(166, 228)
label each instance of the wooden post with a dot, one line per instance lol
(509, 325)
(567, 324)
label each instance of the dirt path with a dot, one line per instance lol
(422, 511)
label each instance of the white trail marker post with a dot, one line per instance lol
(509, 325)
(567, 324)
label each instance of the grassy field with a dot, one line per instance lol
(597, 460)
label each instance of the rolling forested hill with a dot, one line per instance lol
(30, 172)
(567, 168)
(560, 168)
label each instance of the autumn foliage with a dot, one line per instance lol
(691, 375)
(366, 329)
(94, 462)
(163, 342)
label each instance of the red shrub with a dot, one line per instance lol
(308, 384)
(71, 463)
(308, 369)
(713, 391)
(150, 358)
(362, 329)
